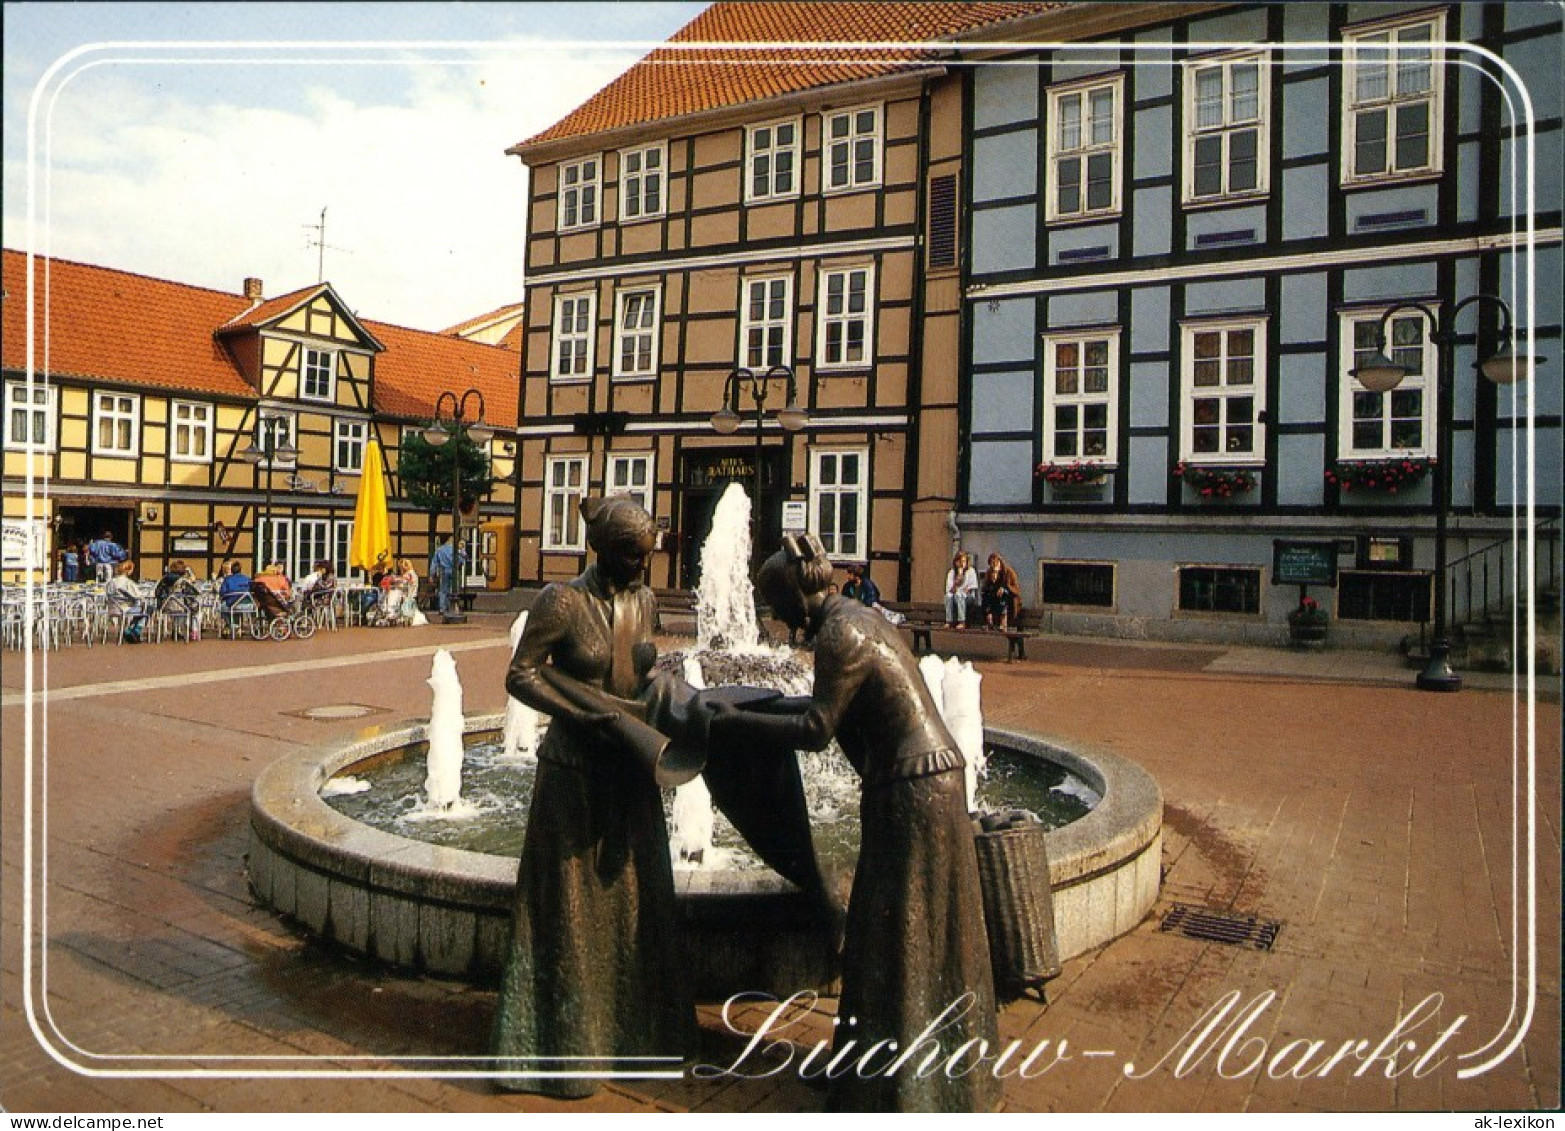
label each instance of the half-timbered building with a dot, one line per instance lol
(726, 208)
(1184, 238)
(128, 409)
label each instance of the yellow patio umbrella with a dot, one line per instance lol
(371, 521)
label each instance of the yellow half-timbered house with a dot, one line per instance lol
(128, 409)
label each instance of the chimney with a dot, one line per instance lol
(253, 289)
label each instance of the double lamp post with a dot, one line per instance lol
(791, 418)
(269, 445)
(452, 420)
(1381, 374)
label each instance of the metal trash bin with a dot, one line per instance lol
(1013, 869)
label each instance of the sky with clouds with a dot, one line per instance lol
(199, 142)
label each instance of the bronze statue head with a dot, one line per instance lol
(622, 534)
(794, 579)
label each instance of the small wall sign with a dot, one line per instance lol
(1304, 563)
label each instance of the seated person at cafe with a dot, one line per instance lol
(122, 595)
(272, 590)
(235, 584)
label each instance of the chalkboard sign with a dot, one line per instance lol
(1304, 563)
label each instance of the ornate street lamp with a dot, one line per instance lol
(791, 418)
(272, 435)
(1380, 374)
(451, 420)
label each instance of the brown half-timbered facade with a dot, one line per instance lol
(130, 408)
(714, 210)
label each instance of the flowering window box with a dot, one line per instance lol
(1072, 474)
(1388, 475)
(1216, 481)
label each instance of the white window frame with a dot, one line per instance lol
(1085, 149)
(19, 399)
(584, 194)
(1228, 126)
(1425, 382)
(315, 360)
(635, 182)
(855, 134)
(473, 542)
(198, 426)
(342, 548)
(343, 432)
(620, 478)
(645, 332)
(317, 532)
(127, 409)
(769, 150)
(291, 436)
(769, 325)
(1081, 398)
(564, 499)
(830, 491)
(1223, 391)
(844, 318)
(1394, 99)
(581, 364)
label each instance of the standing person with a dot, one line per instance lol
(1001, 593)
(442, 565)
(104, 553)
(595, 972)
(71, 564)
(961, 590)
(915, 953)
(405, 580)
(123, 595)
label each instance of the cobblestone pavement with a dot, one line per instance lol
(1376, 823)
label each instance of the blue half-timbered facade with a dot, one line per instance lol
(1181, 240)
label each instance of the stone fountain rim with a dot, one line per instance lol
(288, 813)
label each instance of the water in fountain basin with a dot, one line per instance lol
(497, 795)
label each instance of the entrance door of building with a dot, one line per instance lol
(704, 477)
(80, 525)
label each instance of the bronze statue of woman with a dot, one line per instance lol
(595, 980)
(915, 948)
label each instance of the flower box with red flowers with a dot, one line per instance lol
(1388, 475)
(1216, 481)
(1072, 474)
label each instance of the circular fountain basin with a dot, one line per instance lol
(448, 910)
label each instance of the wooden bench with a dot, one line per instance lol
(923, 620)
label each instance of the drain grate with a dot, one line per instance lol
(1221, 927)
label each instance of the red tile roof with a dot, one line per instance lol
(418, 366)
(114, 326)
(673, 82)
(106, 325)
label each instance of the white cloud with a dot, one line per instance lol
(207, 176)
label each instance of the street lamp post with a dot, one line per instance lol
(271, 433)
(452, 420)
(791, 418)
(1380, 374)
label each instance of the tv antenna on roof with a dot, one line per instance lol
(319, 241)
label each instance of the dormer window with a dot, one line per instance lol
(317, 374)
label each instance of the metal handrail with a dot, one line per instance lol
(1489, 568)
